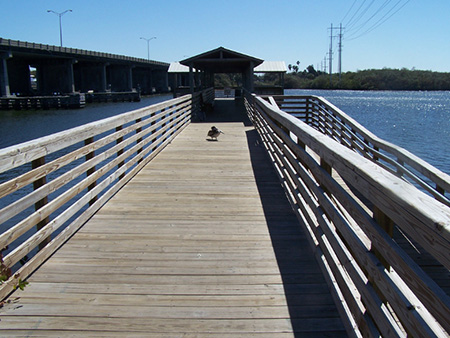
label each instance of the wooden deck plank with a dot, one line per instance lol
(202, 241)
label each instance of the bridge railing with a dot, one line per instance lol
(51, 186)
(382, 291)
(330, 120)
(67, 50)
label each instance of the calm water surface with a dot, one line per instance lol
(416, 121)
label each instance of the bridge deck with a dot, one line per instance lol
(200, 242)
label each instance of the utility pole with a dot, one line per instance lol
(331, 55)
(340, 52)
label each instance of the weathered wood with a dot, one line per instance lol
(434, 298)
(90, 171)
(21, 204)
(315, 215)
(94, 182)
(15, 156)
(41, 256)
(41, 203)
(201, 241)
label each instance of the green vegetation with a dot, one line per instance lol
(373, 79)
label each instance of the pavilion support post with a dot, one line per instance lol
(191, 79)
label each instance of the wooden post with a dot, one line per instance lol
(91, 170)
(139, 140)
(329, 169)
(387, 225)
(120, 152)
(39, 204)
(153, 131)
(307, 111)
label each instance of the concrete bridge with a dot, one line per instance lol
(67, 70)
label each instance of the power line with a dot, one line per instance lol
(370, 18)
(361, 15)
(350, 23)
(354, 2)
(381, 21)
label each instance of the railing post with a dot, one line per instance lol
(120, 152)
(307, 112)
(387, 225)
(139, 140)
(164, 131)
(39, 204)
(329, 169)
(153, 131)
(91, 170)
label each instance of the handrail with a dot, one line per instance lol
(72, 174)
(330, 120)
(381, 289)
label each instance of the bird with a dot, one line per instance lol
(214, 132)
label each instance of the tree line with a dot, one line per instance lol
(372, 79)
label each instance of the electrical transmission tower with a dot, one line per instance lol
(340, 51)
(330, 53)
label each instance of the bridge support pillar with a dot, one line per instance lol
(120, 78)
(143, 79)
(4, 80)
(90, 76)
(19, 77)
(160, 80)
(56, 77)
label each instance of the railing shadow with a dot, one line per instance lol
(311, 306)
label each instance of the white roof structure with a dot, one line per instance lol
(176, 67)
(271, 67)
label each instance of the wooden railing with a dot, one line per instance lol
(51, 186)
(380, 289)
(330, 120)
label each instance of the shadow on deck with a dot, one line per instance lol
(311, 306)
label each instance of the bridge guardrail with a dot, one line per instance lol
(53, 185)
(382, 291)
(75, 51)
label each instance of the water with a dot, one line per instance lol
(416, 121)
(25, 125)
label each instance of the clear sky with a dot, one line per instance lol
(377, 33)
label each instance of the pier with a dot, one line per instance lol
(296, 222)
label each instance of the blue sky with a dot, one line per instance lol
(410, 33)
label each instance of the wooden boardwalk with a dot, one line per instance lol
(202, 242)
